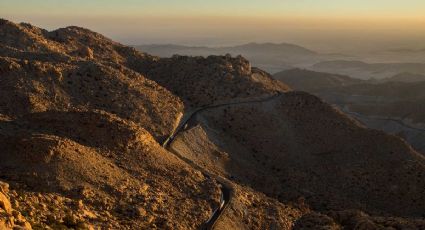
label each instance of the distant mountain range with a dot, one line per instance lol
(402, 50)
(269, 56)
(307, 80)
(363, 70)
(259, 48)
(406, 77)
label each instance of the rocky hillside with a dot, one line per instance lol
(204, 81)
(88, 168)
(81, 119)
(79, 133)
(295, 148)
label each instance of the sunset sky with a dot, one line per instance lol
(314, 23)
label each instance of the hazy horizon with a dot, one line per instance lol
(322, 25)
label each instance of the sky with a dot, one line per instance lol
(329, 25)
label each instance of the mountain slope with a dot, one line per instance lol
(297, 146)
(202, 81)
(391, 104)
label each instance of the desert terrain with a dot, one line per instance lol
(99, 135)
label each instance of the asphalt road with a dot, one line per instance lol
(226, 188)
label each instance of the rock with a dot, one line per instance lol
(87, 53)
(150, 219)
(4, 187)
(70, 220)
(23, 226)
(4, 224)
(16, 204)
(140, 211)
(84, 226)
(316, 221)
(17, 215)
(80, 204)
(89, 214)
(5, 203)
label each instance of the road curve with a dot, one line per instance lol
(227, 190)
(374, 117)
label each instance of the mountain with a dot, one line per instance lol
(268, 56)
(406, 77)
(398, 99)
(365, 71)
(393, 105)
(258, 48)
(295, 147)
(95, 134)
(396, 107)
(406, 50)
(307, 80)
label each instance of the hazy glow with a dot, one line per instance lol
(310, 22)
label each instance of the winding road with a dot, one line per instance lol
(374, 117)
(413, 134)
(227, 190)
